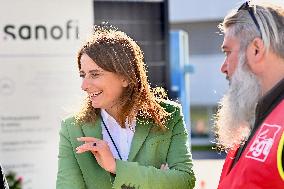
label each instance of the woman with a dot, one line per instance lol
(124, 136)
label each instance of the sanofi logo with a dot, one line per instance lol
(65, 31)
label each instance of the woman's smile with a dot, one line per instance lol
(95, 94)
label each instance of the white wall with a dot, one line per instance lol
(207, 173)
(201, 10)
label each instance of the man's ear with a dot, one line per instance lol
(258, 47)
(255, 54)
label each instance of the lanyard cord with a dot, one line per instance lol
(111, 139)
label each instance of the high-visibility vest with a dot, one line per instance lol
(260, 165)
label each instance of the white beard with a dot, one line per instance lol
(236, 114)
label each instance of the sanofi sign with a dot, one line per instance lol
(43, 27)
(39, 37)
(68, 30)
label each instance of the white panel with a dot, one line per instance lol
(39, 82)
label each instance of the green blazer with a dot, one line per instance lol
(149, 149)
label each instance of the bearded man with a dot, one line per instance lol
(250, 120)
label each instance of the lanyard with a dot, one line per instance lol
(111, 139)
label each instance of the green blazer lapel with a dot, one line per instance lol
(97, 175)
(142, 128)
(90, 130)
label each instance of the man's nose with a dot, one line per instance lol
(224, 68)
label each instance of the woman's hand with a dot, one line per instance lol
(101, 151)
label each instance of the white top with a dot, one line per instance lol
(121, 136)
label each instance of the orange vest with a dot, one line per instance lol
(259, 166)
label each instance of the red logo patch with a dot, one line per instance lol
(260, 148)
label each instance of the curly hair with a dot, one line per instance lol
(114, 51)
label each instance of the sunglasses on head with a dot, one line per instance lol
(247, 7)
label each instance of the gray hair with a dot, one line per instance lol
(270, 18)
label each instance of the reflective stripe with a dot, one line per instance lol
(279, 157)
